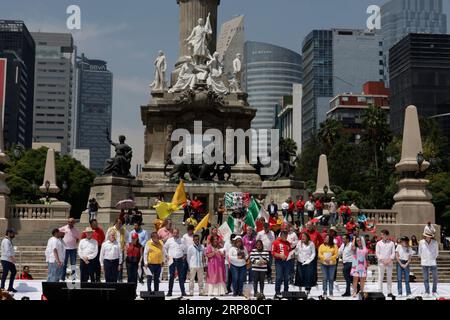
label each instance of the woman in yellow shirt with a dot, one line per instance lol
(328, 253)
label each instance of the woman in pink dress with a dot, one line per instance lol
(215, 277)
(359, 263)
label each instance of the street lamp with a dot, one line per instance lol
(65, 186)
(325, 190)
(34, 187)
(17, 152)
(47, 189)
(420, 160)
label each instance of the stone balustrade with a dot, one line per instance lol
(39, 211)
(381, 216)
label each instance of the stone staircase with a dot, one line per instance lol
(33, 256)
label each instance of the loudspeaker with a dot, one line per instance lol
(153, 295)
(373, 296)
(62, 291)
(294, 295)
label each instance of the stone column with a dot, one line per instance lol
(50, 174)
(323, 178)
(190, 12)
(413, 200)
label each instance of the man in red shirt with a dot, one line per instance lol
(99, 236)
(280, 252)
(291, 209)
(345, 212)
(300, 206)
(350, 226)
(319, 207)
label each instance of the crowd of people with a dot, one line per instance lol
(222, 266)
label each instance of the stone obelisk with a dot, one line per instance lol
(4, 190)
(323, 178)
(190, 12)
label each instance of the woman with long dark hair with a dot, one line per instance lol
(328, 253)
(305, 252)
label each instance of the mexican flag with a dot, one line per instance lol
(257, 212)
(237, 200)
(227, 228)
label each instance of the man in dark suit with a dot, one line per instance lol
(272, 208)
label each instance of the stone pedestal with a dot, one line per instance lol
(108, 191)
(280, 190)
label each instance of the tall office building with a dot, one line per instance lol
(336, 61)
(270, 72)
(18, 48)
(94, 110)
(420, 75)
(231, 42)
(401, 17)
(54, 74)
(289, 116)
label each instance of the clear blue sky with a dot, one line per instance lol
(128, 35)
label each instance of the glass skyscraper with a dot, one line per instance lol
(401, 17)
(94, 110)
(54, 74)
(270, 72)
(18, 48)
(336, 61)
(420, 76)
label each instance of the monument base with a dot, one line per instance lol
(282, 189)
(109, 190)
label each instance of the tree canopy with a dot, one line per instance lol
(26, 174)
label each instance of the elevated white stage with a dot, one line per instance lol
(33, 290)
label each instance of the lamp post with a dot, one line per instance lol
(325, 190)
(420, 160)
(47, 189)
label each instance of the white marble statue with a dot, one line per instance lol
(198, 41)
(189, 76)
(235, 83)
(215, 81)
(160, 72)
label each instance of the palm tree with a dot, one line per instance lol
(329, 132)
(376, 133)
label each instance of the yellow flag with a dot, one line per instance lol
(202, 224)
(164, 210)
(179, 198)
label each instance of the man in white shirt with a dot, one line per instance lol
(54, 256)
(284, 210)
(175, 251)
(385, 252)
(346, 254)
(332, 207)
(267, 237)
(195, 259)
(87, 251)
(8, 260)
(428, 253)
(111, 258)
(310, 207)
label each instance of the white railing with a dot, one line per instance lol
(381, 216)
(37, 211)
